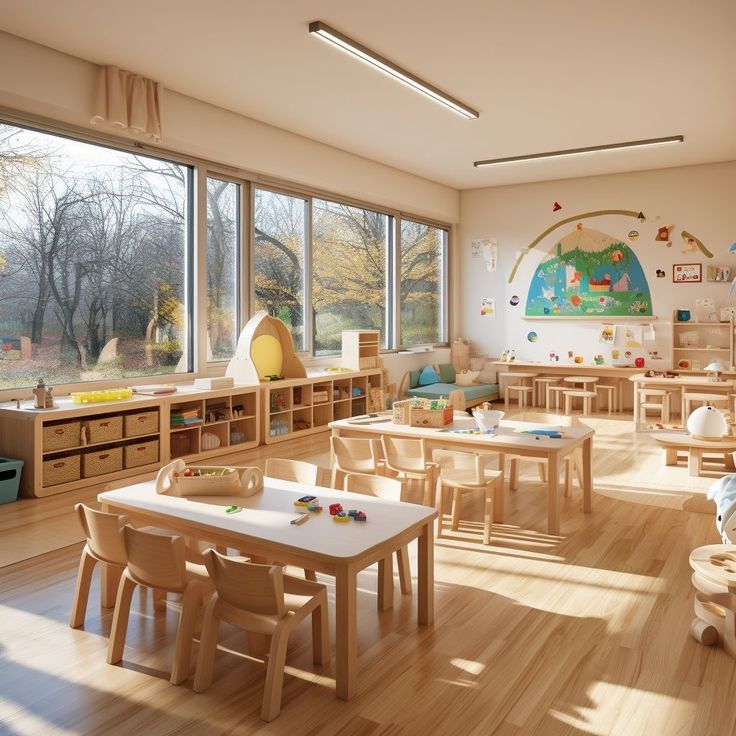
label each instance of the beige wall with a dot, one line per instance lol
(38, 80)
(698, 199)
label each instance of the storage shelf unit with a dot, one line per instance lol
(301, 406)
(77, 446)
(696, 344)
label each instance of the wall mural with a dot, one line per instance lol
(589, 274)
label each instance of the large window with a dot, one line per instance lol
(350, 272)
(223, 262)
(422, 283)
(280, 245)
(94, 261)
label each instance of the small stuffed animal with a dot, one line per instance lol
(723, 492)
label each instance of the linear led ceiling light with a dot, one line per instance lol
(322, 30)
(579, 151)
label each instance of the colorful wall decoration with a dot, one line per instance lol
(589, 274)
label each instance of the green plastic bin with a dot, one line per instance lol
(10, 471)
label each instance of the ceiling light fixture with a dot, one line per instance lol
(323, 31)
(579, 151)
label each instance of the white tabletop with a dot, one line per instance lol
(267, 515)
(508, 435)
(678, 381)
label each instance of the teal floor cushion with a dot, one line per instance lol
(436, 390)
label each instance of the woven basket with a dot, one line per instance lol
(143, 453)
(403, 413)
(61, 470)
(60, 436)
(101, 462)
(103, 429)
(144, 422)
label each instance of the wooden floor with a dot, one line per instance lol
(534, 635)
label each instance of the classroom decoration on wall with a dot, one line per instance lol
(633, 234)
(660, 273)
(694, 243)
(663, 235)
(514, 300)
(556, 206)
(607, 335)
(719, 273)
(589, 273)
(487, 307)
(487, 249)
(687, 273)
(532, 336)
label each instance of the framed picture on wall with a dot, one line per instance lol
(687, 273)
(718, 273)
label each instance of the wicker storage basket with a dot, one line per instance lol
(102, 461)
(103, 429)
(60, 436)
(61, 470)
(144, 422)
(404, 413)
(142, 453)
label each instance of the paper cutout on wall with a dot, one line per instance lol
(556, 206)
(607, 335)
(641, 217)
(632, 337)
(633, 234)
(514, 300)
(532, 336)
(488, 249)
(660, 273)
(732, 248)
(694, 243)
(487, 307)
(589, 273)
(663, 234)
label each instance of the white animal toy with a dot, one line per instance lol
(723, 492)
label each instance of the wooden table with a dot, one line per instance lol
(508, 439)
(679, 383)
(263, 529)
(674, 441)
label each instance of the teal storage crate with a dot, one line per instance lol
(10, 471)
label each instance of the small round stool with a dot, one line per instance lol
(505, 379)
(583, 381)
(719, 400)
(540, 388)
(588, 398)
(554, 394)
(610, 395)
(662, 406)
(522, 392)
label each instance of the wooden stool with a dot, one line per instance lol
(714, 580)
(662, 406)
(554, 393)
(588, 398)
(522, 393)
(520, 378)
(540, 389)
(719, 400)
(611, 401)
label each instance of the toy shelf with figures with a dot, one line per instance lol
(299, 406)
(696, 344)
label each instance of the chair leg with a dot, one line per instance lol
(506, 398)
(488, 513)
(159, 599)
(190, 603)
(321, 632)
(441, 515)
(81, 593)
(514, 474)
(542, 469)
(456, 502)
(568, 404)
(402, 562)
(275, 674)
(119, 628)
(207, 648)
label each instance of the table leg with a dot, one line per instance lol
(637, 386)
(588, 475)
(386, 583)
(425, 575)
(694, 462)
(553, 493)
(498, 495)
(670, 456)
(346, 634)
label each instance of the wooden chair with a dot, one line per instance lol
(524, 395)
(654, 399)
(353, 455)
(158, 561)
(388, 488)
(540, 388)
(266, 603)
(587, 398)
(409, 459)
(294, 470)
(462, 472)
(104, 544)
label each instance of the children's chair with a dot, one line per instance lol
(462, 472)
(294, 470)
(587, 397)
(540, 388)
(409, 459)
(263, 601)
(353, 455)
(158, 561)
(654, 399)
(388, 488)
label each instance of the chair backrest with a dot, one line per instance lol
(465, 466)
(295, 470)
(104, 534)
(246, 586)
(405, 455)
(353, 455)
(374, 485)
(156, 559)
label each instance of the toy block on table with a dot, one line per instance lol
(341, 517)
(306, 501)
(315, 508)
(335, 508)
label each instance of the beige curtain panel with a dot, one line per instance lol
(127, 102)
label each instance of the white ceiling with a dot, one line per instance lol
(544, 75)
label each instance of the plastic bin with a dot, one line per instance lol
(10, 471)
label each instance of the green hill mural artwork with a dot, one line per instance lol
(589, 274)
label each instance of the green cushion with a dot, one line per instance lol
(428, 376)
(414, 379)
(436, 390)
(447, 373)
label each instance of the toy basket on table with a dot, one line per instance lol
(422, 412)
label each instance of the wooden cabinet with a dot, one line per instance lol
(696, 344)
(80, 445)
(361, 349)
(301, 406)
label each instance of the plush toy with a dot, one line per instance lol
(723, 492)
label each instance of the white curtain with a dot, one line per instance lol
(128, 102)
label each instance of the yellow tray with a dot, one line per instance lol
(110, 394)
